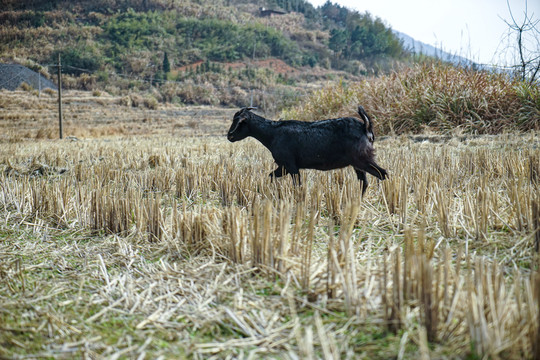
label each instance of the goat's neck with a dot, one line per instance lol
(261, 129)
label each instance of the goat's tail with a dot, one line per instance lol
(365, 117)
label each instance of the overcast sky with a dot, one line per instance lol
(471, 28)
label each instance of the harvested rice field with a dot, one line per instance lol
(148, 243)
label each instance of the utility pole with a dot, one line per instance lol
(250, 73)
(60, 96)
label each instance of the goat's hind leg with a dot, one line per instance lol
(361, 175)
(376, 171)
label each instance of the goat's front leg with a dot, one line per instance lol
(277, 173)
(295, 174)
(296, 178)
(287, 167)
(292, 170)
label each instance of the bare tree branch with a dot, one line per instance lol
(526, 32)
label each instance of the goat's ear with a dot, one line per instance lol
(251, 108)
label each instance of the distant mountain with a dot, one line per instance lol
(418, 47)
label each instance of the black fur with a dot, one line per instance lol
(322, 145)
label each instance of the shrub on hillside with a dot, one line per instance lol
(22, 19)
(25, 87)
(431, 96)
(78, 60)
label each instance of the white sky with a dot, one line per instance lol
(470, 28)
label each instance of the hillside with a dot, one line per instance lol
(141, 44)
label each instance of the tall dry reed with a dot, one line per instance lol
(431, 97)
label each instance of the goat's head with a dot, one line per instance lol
(239, 129)
(367, 124)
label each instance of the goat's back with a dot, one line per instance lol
(324, 144)
(340, 127)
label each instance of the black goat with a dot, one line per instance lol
(322, 145)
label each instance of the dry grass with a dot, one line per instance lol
(25, 116)
(181, 247)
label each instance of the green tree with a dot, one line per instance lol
(166, 64)
(338, 40)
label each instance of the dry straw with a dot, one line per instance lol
(178, 238)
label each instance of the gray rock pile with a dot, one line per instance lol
(12, 76)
